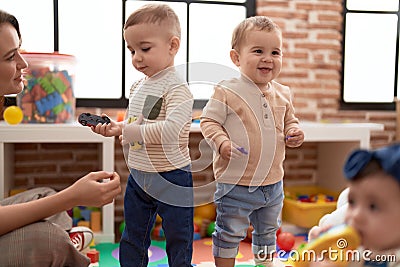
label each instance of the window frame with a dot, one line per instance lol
(122, 102)
(369, 105)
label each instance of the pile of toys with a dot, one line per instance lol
(203, 223)
(48, 96)
(86, 216)
(315, 198)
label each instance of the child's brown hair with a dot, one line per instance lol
(161, 14)
(259, 23)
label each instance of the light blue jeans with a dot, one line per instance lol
(237, 206)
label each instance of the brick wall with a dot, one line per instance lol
(312, 33)
(312, 56)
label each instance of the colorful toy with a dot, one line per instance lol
(196, 228)
(206, 211)
(243, 150)
(211, 228)
(86, 216)
(87, 119)
(196, 236)
(338, 239)
(158, 219)
(120, 116)
(122, 227)
(95, 221)
(157, 233)
(285, 241)
(315, 198)
(13, 115)
(48, 95)
(278, 232)
(93, 255)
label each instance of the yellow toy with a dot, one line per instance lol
(334, 245)
(206, 211)
(13, 115)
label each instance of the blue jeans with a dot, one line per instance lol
(148, 194)
(237, 206)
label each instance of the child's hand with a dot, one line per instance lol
(122, 141)
(229, 150)
(131, 132)
(112, 129)
(294, 138)
(317, 231)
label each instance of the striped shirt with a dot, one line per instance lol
(166, 103)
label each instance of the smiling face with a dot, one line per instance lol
(11, 61)
(259, 56)
(374, 211)
(152, 47)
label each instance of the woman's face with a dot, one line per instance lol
(11, 61)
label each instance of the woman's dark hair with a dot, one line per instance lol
(8, 18)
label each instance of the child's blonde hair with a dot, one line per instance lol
(259, 23)
(161, 14)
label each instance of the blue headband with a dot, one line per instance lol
(387, 157)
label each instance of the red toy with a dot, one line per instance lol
(93, 255)
(285, 241)
(278, 232)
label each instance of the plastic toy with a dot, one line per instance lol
(243, 150)
(122, 227)
(206, 211)
(340, 238)
(120, 115)
(13, 115)
(95, 221)
(87, 119)
(315, 198)
(211, 228)
(249, 234)
(48, 95)
(196, 228)
(278, 232)
(93, 255)
(157, 233)
(196, 232)
(285, 241)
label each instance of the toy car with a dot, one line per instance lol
(87, 119)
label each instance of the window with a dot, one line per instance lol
(205, 38)
(39, 38)
(91, 30)
(371, 54)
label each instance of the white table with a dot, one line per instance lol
(335, 141)
(55, 133)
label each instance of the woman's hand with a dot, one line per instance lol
(95, 189)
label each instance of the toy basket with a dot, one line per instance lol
(48, 95)
(307, 214)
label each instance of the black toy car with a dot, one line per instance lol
(87, 119)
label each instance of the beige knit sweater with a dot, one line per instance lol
(258, 121)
